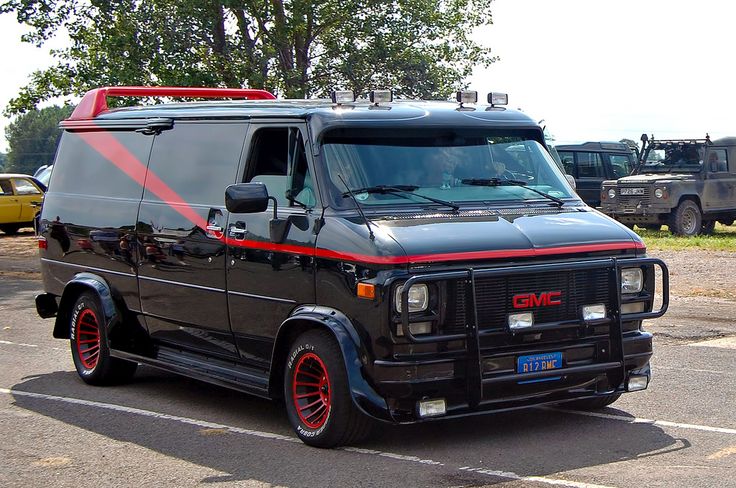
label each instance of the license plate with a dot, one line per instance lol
(539, 362)
(632, 191)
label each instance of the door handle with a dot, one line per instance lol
(214, 228)
(238, 228)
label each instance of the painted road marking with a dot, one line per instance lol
(636, 420)
(723, 342)
(203, 424)
(729, 451)
(17, 344)
(689, 370)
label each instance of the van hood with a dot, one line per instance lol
(489, 236)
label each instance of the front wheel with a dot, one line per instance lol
(317, 394)
(687, 219)
(90, 350)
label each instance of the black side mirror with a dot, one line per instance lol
(246, 198)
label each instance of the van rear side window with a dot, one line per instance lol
(95, 163)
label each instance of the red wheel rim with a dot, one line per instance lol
(311, 391)
(88, 338)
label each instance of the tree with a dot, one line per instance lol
(295, 48)
(33, 137)
(3, 158)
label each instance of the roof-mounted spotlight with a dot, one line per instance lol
(381, 96)
(498, 99)
(343, 96)
(466, 96)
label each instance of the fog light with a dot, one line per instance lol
(518, 321)
(467, 96)
(637, 383)
(416, 328)
(343, 96)
(637, 307)
(498, 98)
(432, 408)
(594, 312)
(381, 96)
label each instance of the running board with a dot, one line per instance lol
(205, 368)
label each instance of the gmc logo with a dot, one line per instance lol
(544, 299)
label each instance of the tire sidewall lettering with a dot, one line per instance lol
(292, 360)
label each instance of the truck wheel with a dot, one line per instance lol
(709, 226)
(594, 403)
(317, 394)
(90, 350)
(686, 220)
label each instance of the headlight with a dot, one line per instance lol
(659, 193)
(611, 193)
(418, 298)
(632, 280)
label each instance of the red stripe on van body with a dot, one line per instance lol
(111, 149)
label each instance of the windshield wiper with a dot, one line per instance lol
(505, 182)
(400, 190)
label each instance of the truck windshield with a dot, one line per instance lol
(440, 164)
(673, 158)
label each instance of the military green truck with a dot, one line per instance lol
(686, 184)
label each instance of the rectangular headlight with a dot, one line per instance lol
(632, 280)
(418, 297)
(520, 321)
(594, 312)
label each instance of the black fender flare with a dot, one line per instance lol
(364, 396)
(84, 282)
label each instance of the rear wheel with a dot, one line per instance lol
(10, 229)
(90, 351)
(594, 403)
(686, 220)
(317, 394)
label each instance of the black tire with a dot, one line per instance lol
(317, 394)
(90, 351)
(594, 403)
(686, 220)
(10, 229)
(708, 227)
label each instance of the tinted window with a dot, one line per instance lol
(568, 161)
(621, 164)
(195, 161)
(278, 160)
(102, 163)
(590, 165)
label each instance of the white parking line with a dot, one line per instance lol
(690, 370)
(17, 344)
(269, 435)
(636, 420)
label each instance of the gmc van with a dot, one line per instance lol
(399, 261)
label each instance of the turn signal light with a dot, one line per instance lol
(367, 291)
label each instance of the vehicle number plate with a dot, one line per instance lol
(632, 191)
(539, 362)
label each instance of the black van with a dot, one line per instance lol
(400, 261)
(593, 163)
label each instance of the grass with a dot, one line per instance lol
(723, 239)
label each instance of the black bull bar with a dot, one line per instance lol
(473, 333)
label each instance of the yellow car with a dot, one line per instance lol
(20, 201)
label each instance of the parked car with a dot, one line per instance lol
(395, 260)
(20, 201)
(594, 162)
(687, 184)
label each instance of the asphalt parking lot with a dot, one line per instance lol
(164, 430)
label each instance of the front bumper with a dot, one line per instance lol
(599, 361)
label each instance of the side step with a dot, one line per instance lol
(205, 368)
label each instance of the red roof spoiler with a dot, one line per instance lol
(94, 101)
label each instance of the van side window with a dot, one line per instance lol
(717, 161)
(86, 168)
(197, 161)
(590, 165)
(278, 160)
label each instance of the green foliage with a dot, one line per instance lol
(33, 137)
(3, 158)
(723, 239)
(295, 48)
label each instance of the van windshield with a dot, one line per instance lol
(453, 165)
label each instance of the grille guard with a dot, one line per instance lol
(472, 335)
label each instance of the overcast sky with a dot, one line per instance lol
(592, 69)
